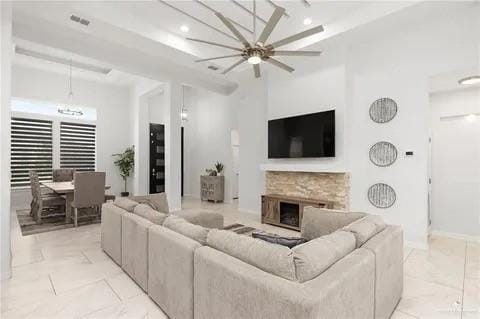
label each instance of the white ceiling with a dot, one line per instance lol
(153, 27)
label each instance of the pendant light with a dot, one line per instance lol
(70, 109)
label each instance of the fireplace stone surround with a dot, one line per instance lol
(334, 187)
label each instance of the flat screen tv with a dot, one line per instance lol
(310, 135)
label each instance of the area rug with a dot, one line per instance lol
(30, 227)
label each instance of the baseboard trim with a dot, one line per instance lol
(249, 211)
(455, 235)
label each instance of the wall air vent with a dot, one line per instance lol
(213, 67)
(77, 19)
(56, 59)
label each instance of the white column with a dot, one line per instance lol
(5, 92)
(173, 97)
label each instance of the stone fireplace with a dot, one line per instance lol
(334, 187)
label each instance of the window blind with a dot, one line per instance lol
(31, 149)
(77, 146)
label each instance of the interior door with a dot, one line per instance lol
(157, 158)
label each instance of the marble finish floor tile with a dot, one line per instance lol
(436, 266)
(401, 315)
(80, 275)
(429, 300)
(138, 307)
(471, 298)
(472, 266)
(124, 286)
(26, 256)
(74, 304)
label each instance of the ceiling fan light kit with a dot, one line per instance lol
(257, 51)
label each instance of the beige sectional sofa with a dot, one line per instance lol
(351, 266)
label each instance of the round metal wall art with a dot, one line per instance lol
(381, 195)
(383, 154)
(383, 110)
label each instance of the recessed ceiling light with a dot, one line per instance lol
(307, 21)
(184, 28)
(470, 80)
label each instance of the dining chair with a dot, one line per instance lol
(63, 174)
(89, 194)
(44, 204)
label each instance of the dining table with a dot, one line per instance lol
(66, 189)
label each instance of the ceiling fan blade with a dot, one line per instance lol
(295, 37)
(271, 24)
(216, 44)
(234, 66)
(234, 30)
(256, 70)
(294, 53)
(279, 64)
(218, 57)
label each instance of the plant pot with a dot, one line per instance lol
(124, 194)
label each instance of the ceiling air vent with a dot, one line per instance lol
(77, 19)
(213, 67)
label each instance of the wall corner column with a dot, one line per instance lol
(5, 117)
(173, 97)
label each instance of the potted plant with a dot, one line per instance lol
(125, 163)
(219, 167)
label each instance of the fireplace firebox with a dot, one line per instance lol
(286, 211)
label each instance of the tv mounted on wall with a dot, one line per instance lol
(310, 135)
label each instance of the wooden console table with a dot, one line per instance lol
(287, 211)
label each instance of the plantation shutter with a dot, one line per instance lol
(31, 149)
(77, 146)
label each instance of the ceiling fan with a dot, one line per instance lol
(258, 50)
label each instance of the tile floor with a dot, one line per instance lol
(65, 274)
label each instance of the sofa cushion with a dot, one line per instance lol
(187, 229)
(150, 214)
(275, 259)
(205, 219)
(158, 201)
(317, 222)
(279, 240)
(365, 228)
(125, 203)
(315, 256)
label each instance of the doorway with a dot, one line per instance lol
(455, 158)
(157, 158)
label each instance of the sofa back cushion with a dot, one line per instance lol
(187, 229)
(158, 201)
(365, 228)
(317, 222)
(272, 258)
(150, 214)
(315, 256)
(125, 203)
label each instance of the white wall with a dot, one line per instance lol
(6, 50)
(389, 59)
(112, 104)
(455, 162)
(211, 117)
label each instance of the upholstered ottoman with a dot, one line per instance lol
(205, 219)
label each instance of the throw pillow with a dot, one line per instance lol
(125, 203)
(289, 242)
